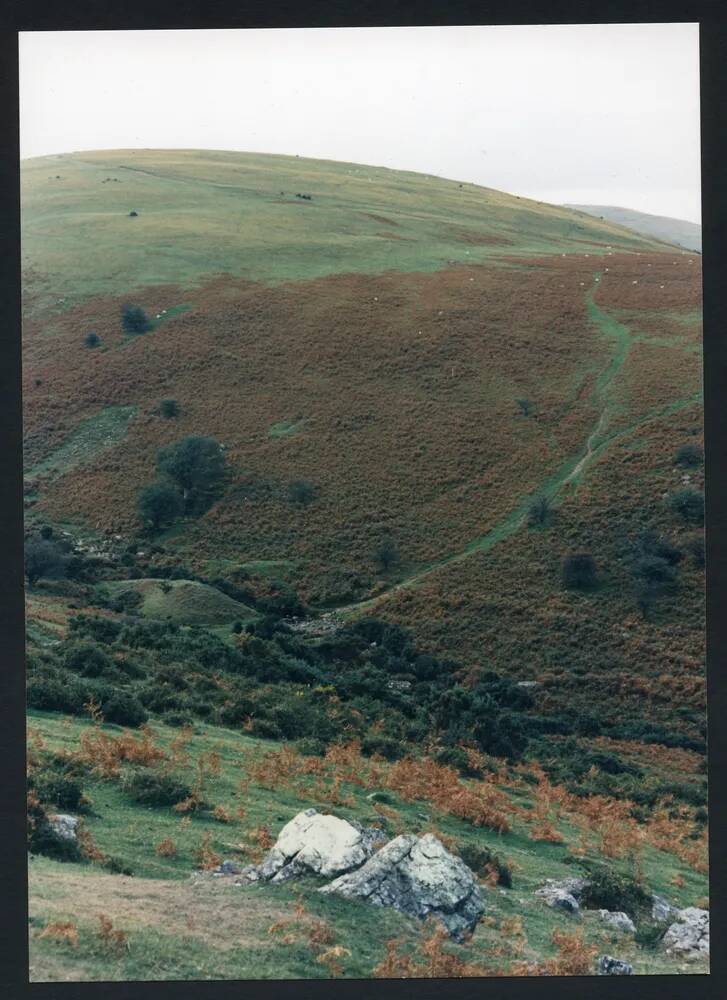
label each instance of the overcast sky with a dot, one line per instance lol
(594, 114)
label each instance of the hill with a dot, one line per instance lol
(677, 231)
(456, 507)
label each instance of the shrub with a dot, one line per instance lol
(124, 709)
(104, 630)
(481, 860)
(688, 504)
(539, 511)
(92, 339)
(151, 788)
(58, 789)
(608, 889)
(134, 320)
(382, 746)
(649, 934)
(84, 657)
(386, 554)
(301, 492)
(689, 455)
(655, 569)
(694, 545)
(44, 558)
(197, 466)
(579, 571)
(169, 408)
(159, 505)
(526, 406)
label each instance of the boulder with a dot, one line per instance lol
(417, 876)
(661, 910)
(313, 843)
(563, 895)
(688, 936)
(64, 826)
(608, 966)
(618, 920)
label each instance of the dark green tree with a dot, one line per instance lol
(134, 319)
(92, 339)
(169, 408)
(159, 505)
(301, 491)
(197, 466)
(386, 554)
(689, 504)
(43, 558)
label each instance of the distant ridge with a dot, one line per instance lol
(678, 231)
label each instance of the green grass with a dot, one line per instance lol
(204, 212)
(184, 602)
(285, 428)
(129, 832)
(95, 435)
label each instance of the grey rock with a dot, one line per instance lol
(688, 936)
(661, 909)
(418, 876)
(64, 826)
(563, 895)
(618, 920)
(317, 844)
(229, 868)
(608, 966)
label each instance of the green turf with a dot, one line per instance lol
(184, 602)
(91, 438)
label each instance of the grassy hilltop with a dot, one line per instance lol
(430, 395)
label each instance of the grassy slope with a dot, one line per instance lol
(177, 931)
(319, 370)
(678, 231)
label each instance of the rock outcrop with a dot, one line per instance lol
(688, 936)
(618, 920)
(563, 895)
(662, 910)
(64, 826)
(418, 876)
(314, 843)
(608, 966)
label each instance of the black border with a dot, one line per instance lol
(47, 15)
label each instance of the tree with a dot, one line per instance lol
(301, 491)
(92, 339)
(579, 571)
(160, 504)
(386, 554)
(134, 319)
(539, 511)
(197, 466)
(169, 408)
(43, 558)
(526, 406)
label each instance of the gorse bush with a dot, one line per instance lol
(92, 339)
(169, 408)
(301, 492)
(608, 889)
(44, 558)
(152, 788)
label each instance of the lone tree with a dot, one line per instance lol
(539, 511)
(134, 319)
(169, 408)
(43, 558)
(159, 505)
(92, 339)
(386, 554)
(197, 466)
(579, 571)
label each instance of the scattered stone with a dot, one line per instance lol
(608, 966)
(227, 868)
(688, 936)
(418, 876)
(317, 844)
(64, 826)
(618, 920)
(563, 895)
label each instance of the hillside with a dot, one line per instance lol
(427, 398)
(677, 231)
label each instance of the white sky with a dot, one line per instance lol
(590, 114)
